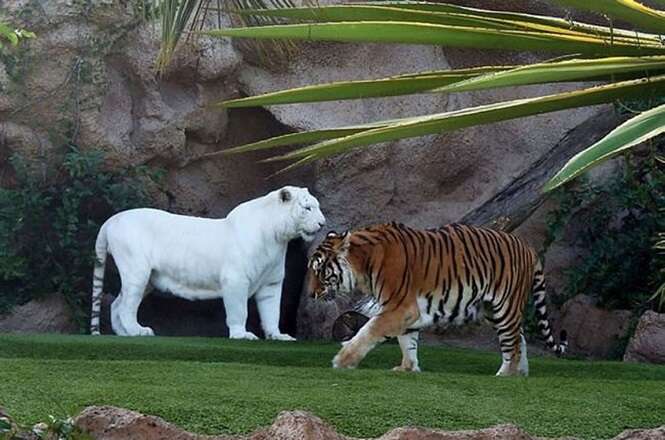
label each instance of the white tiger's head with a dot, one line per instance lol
(303, 214)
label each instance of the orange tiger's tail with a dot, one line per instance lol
(541, 314)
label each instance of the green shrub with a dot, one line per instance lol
(615, 223)
(48, 226)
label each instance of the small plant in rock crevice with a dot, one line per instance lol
(48, 225)
(55, 428)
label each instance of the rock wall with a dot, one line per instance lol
(88, 78)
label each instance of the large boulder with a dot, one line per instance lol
(648, 342)
(49, 314)
(592, 331)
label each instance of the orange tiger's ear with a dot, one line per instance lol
(346, 241)
(333, 234)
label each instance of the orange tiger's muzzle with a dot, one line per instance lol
(315, 288)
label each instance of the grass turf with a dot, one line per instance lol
(223, 386)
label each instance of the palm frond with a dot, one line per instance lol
(628, 11)
(634, 131)
(484, 114)
(445, 35)
(462, 80)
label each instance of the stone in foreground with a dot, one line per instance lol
(648, 342)
(111, 423)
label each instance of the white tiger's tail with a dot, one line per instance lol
(98, 280)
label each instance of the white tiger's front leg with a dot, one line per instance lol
(235, 295)
(268, 300)
(409, 344)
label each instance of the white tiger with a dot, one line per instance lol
(233, 258)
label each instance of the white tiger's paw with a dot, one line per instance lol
(243, 335)
(281, 337)
(405, 369)
(146, 331)
(137, 331)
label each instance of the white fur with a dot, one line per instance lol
(234, 258)
(507, 362)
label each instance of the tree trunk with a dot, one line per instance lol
(516, 202)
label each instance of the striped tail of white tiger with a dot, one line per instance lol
(541, 314)
(101, 250)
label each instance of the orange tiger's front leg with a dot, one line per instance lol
(377, 329)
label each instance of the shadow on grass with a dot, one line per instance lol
(300, 354)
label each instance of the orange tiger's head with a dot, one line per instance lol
(329, 271)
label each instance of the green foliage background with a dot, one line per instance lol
(618, 222)
(48, 225)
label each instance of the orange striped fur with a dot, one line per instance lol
(419, 278)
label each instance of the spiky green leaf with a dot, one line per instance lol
(393, 86)
(449, 15)
(632, 132)
(629, 11)
(567, 70)
(451, 36)
(294, 139)
(463, 80)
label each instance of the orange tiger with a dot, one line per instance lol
(418, 278)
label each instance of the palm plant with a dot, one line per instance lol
(180, 17)
(629, 64)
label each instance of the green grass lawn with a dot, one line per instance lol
(223, 386)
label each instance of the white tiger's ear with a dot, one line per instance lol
(332, 234)
(284, 195)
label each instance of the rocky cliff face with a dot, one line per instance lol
(88, 78)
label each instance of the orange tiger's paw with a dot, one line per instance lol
(345, 359)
